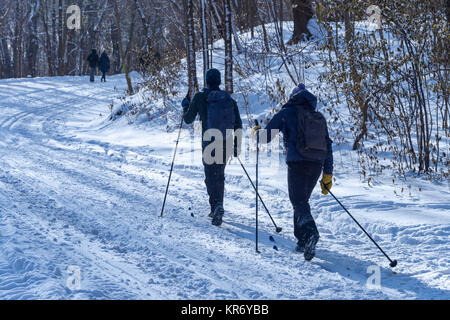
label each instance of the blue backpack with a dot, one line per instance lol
(312, 131)
(220, 111)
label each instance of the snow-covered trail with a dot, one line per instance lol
(79, 191)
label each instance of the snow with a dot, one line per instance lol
(80, 191)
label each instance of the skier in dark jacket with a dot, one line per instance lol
(104, 65)
(303, 174)
(93, 63)
(215, 172)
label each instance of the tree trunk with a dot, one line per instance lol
(262, 22)
(228, 47)
(217, 18)
(302, 11)
(33, 45)
(190, 47)
(204, 41)
(48, 43)
(121, 51)
(3, 18)
(144, 21)
(62, 37)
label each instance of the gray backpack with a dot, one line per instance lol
(312, 135)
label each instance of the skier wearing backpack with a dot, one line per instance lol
(218, 112)
(309, 153)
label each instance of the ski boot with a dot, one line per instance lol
(300, 247)
(310, 247)
(217, 215)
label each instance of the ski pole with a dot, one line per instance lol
(256, 189)
(277, 229)
(393, 263)
(171, 167)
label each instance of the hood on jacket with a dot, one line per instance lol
(303, 98)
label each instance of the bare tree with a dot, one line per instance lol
(302, 11)
(8, 9)
(123, 57)
(190, 46)
(204, 40)
(228, 47)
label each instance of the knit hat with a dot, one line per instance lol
(297, 89)
(213, 77)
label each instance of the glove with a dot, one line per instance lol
(255, 129)
(185, 104)
(327, 180)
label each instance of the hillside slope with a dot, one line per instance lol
(78, 190)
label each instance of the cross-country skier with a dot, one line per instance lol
(218, 113)
(309, 153)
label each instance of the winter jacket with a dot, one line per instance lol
(104, 63)
(198, 106)
(286, 122)
(93, 59)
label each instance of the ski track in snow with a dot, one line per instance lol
(71, 201)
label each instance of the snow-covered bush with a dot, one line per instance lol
(157, 92)
(393, 80)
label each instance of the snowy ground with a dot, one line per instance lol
(79, 191)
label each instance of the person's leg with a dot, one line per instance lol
(219, 192)
(214, 180)
(215, 186)
(104, 76)
(210, 182)
(92, 79)
(215, 183)
(302, 178)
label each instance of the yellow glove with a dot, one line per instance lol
(327, 180)
(255, 128)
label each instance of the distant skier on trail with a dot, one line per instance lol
(93, 63)
(219, 112)
(309, 152)
(104, 65)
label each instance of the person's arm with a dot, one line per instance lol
(277, 123)
(328, 164)
(190, 109)
(237, 117)
(238, 135)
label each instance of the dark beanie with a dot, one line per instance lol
(213, 77)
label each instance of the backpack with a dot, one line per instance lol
(312, 135)
(220, 111)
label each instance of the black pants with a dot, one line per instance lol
(92, 74)
(103, 76)
(215, 179)
(302, 178)
(215, 183)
